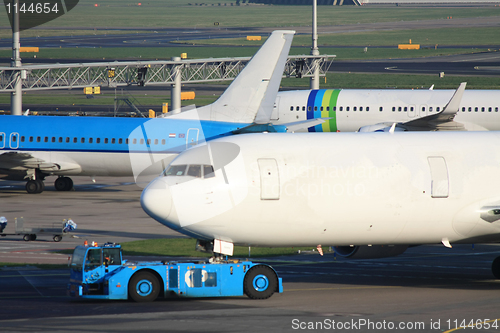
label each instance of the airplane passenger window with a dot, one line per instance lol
(470, 109)
(291, 108)
(105, 140)
(438, 109)
(176, 170)
(149, 142)
(82, 140)
(399, 109)
(98, 140)
(355, 108)
(14, 138)
(156, 141)
(308, 108)
(406, 109)
(53, 139)
(489, 109)
(194, 171)
(327, 108)
(31, 139)
(367, 108)
(341, 108)
(381, 109)
(496, 109)
(60, 139)
(38, 139)
(321, 108)
(347, 108)
(46, 139)
(75, 140)
(126, 141)
(120, 141)
(297, 108)
(208, 171)
(463, 109)
(393, 108)
(91, 140)
(134, 141)
(67, 140)
(411, 108)
(482, 109)
(141, 141)
(315, 108)
(303, 108)
(360, 108)
(335, 108)
(430, 108)
(476, 109)
(113, 140)
(163, 141)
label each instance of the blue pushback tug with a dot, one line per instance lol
(99, 272)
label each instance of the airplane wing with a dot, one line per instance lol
(26, 161)
(442, 121)
(298, 125)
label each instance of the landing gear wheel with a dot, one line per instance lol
(63, 184)
(27, 237)
(35, 186)
(260, 282)
(143, 287)
(495, 267)
(57, 238)
(33, 237)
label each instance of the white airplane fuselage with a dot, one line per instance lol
(336, 189)
(351, 109)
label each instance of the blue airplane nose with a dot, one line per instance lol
(156, 200)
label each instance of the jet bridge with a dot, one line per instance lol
(142, 73)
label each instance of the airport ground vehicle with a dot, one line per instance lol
(99, 272)
(56, 229)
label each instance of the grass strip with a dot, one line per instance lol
(185, 247)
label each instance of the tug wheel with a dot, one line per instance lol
(260, 282)
(143, 287)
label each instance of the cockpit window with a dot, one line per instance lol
(176, 170)
(194, 171)
(208, 171)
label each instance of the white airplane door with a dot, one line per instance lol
(439, 177)
(14, 140)
(411, 111)
(275, 115)
(2, 140)
(192, 137)
(269, 179)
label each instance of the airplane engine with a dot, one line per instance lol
(370, 252)
(380, 127)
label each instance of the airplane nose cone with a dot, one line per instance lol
(156, 200)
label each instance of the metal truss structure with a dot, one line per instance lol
(120, 74)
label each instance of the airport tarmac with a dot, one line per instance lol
(427, 289)
(108, 210)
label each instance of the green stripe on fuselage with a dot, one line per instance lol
(332, 95)
(325, 127)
